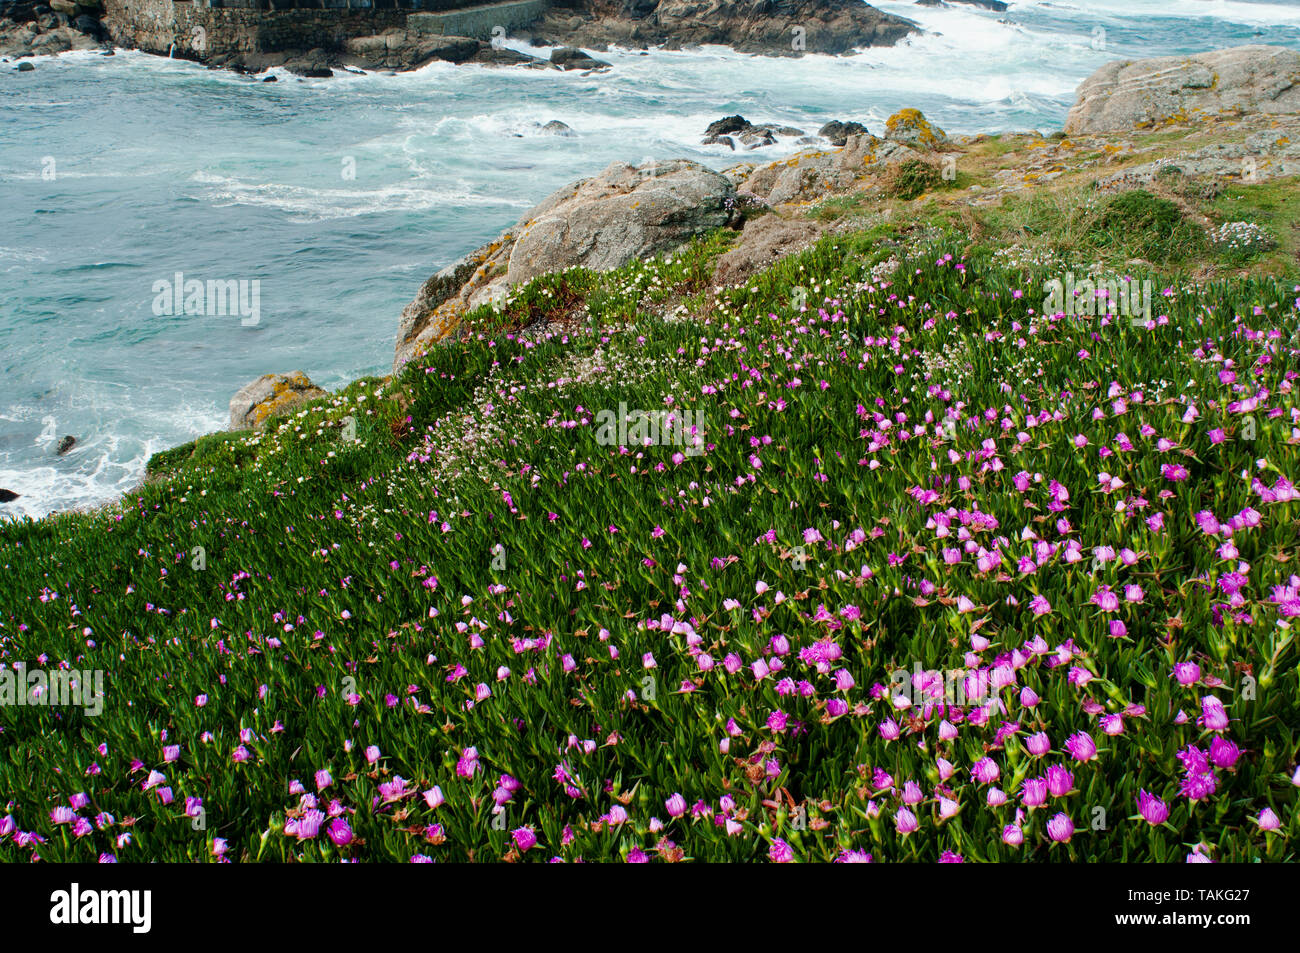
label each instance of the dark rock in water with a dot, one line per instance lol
(727, 126)
(66, 445)
(757, 137)
(557, 128)
(25, 67)
(449, 49)
(310, 72)
(997, 6)
(838, 132)
(270, 79)
(490, 55)
(8, 496)
(567, 57)
(748, 134)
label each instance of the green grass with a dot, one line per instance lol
(326, 594)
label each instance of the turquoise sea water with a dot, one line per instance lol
(339, 197)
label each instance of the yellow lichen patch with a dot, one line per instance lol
(283, 394)
(913, 120)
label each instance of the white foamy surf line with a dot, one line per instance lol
(317, 204)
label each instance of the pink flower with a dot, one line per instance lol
(340, 833)
(1060, 828)
(780, 852)
(1213, 717)
(905, 821)
(1153, 810)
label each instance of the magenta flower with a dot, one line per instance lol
(1038, 744)
(905, 821)
(1187, 673)
(340, 833)
(1213, 717)
(1060, 828)
(62, 815)
(675, 805)
(1223, 752)
(1153, 810)
(1060, 781)
(525, 839)
(780, 852)
(308, 826)
(847, 856)
(1081, 746)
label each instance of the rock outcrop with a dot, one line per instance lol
(731, 130)
(623, 213)
(1132, 94)
(807, 176)
(30, 29)
(255, 402)
(771, 27)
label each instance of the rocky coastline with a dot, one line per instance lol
(250, 39)
(1223, 116)
(625, 212)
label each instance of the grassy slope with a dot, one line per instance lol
(476, 537)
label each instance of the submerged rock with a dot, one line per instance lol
(568, 58)
(270, 394)
(66, 445)
(729, 130)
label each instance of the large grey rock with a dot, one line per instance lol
(270, 394)
(624, 213)
(772, 27)
(1129, 94)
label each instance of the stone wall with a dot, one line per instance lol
(200, 29)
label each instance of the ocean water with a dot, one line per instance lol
(339, 197)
